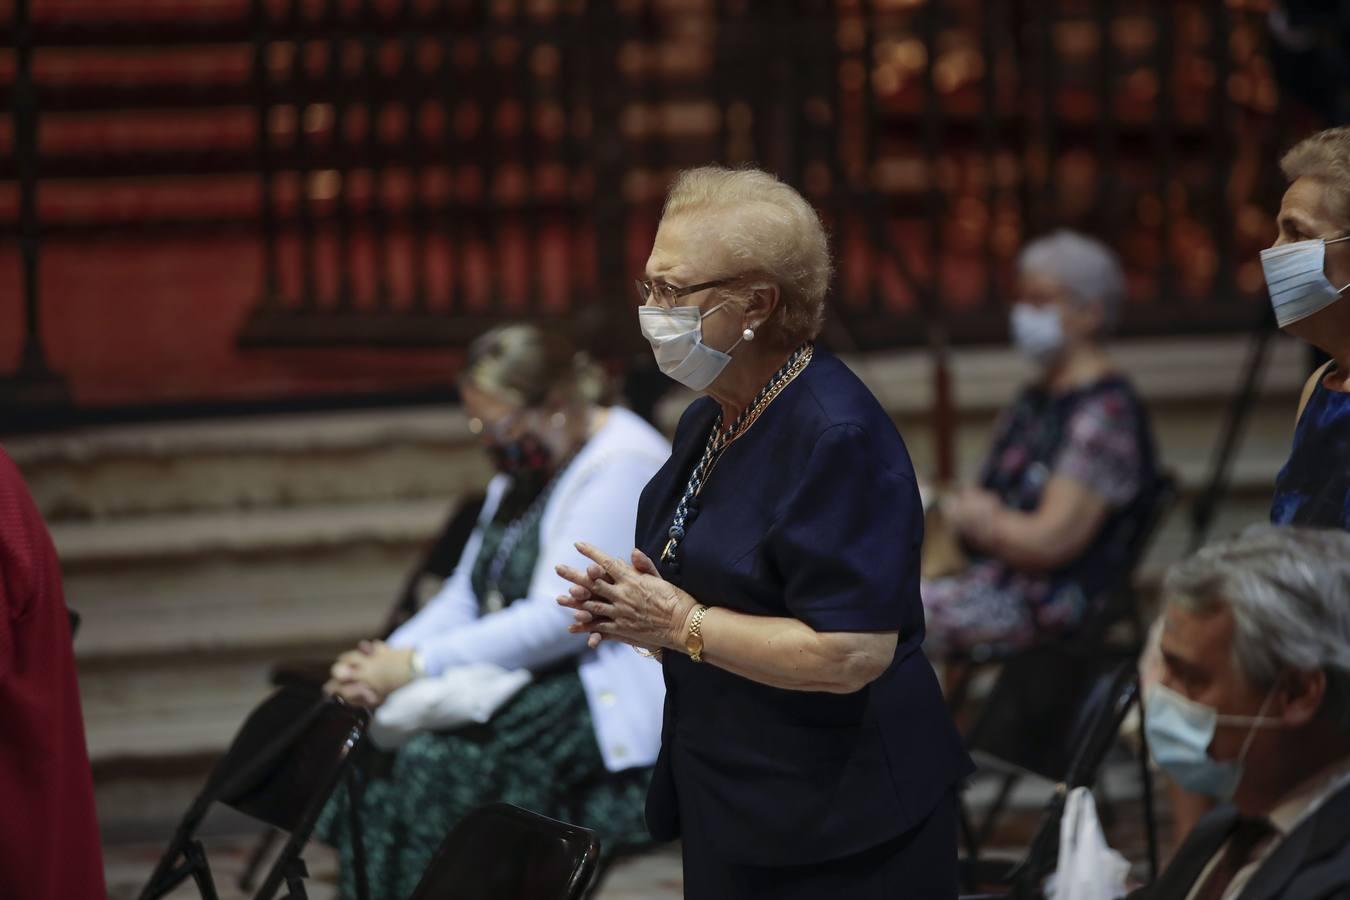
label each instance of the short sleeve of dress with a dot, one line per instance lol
(1101, 448)
(847, 544)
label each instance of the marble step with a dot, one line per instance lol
(240, 579)
(262, 462)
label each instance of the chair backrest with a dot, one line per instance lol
(1151, 509)
(1041, 707)
(1109, 699)
(1144, 521)
(502, 852)
(283, 764)
(287, 757)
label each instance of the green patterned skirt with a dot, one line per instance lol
(538, 752)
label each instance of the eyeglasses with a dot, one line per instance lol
(667, 294)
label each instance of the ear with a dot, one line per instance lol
(1301, 695)
(763, 300)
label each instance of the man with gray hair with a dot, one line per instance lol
(1254, 710)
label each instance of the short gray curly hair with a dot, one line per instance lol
(1289, 593)
(1088, 269)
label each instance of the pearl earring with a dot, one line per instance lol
(748, 334)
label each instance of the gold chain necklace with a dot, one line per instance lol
(720, 437)
(738, 429)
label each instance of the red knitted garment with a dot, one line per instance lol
(49, 845)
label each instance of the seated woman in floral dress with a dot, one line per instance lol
(1068, 461)
(577, 743)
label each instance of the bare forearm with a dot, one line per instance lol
(1025, 541)
(787, 653)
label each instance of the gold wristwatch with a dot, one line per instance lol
(693, 642)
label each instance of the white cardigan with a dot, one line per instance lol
(595, 500)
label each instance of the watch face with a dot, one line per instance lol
(694, 644)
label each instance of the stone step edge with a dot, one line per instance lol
(267, 531)
(284, 646)
(290, 434)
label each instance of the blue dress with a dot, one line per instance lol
(1313, 488)
(813, 514)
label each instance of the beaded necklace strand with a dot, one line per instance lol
(719, 439)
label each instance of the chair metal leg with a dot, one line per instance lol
(996, 808)
(295, 874)
(1150, 817)
(191, 863)
(249, 877)
(201, 871)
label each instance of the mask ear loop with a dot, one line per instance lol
(739, 340)
(1344, 237)
(1258, 721)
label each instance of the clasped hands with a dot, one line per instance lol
(370, 673)
(632, 603)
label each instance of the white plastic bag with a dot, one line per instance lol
(456, 697)
(1088, 868)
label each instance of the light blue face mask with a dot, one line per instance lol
(676, 336)
(1179, 732)
(1297, 281)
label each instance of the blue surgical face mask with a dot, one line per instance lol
(1179, 732)
(1297, 281)
(676, 336)
(1037, 332)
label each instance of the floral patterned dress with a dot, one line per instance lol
(538, 752)
(1097, 435)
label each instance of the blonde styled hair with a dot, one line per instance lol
(534, 368)
(771, 233)
(1324, 156)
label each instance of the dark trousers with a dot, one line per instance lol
(920, 864)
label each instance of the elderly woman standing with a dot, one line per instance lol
(1069, 459)
(1308, 274)
(806, 750)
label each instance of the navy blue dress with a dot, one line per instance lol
(1313, 488)
(813, 514)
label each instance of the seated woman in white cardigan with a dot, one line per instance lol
(578, 740)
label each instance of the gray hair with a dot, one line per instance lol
(1289, 593)
(1088, 269)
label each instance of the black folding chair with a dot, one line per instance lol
(1117, 606)
(436, 565)
(503, 852)
(282, 766)
(1072, 758)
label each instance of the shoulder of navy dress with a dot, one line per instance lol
(833, 396)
